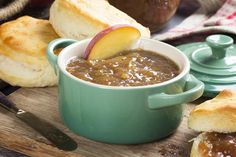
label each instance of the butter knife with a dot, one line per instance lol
(54, 135)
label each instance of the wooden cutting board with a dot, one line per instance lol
(15, 135)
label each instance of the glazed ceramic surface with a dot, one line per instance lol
(213, 62)
(123, 115)
(150, 13)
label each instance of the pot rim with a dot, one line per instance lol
(62, 66)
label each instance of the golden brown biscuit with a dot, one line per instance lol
(23, 59)
(80, 19)
(216, 115)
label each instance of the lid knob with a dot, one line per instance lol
(213, 62)
(219, 44)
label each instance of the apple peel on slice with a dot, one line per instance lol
(111, 41)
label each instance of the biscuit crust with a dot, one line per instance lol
(216, 115)
(23, 44)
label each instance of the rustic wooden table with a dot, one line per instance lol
(43, 102)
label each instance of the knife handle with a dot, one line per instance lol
(7, 104)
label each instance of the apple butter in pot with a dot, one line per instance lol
(128, 68)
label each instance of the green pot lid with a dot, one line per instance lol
(213, 62)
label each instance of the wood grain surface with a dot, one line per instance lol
(17, 136)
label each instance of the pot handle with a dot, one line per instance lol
(194, 89)
(56, 44)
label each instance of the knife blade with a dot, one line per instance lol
(53, 134)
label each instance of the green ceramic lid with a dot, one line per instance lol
(213, 62)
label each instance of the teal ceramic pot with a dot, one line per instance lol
(213, 62)
(122, 115)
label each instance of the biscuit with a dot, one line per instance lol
(216, 115)
(81, 19)
(23, 60)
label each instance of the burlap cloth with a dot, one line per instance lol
(12, 8)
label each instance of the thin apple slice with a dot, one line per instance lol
(111, 41)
